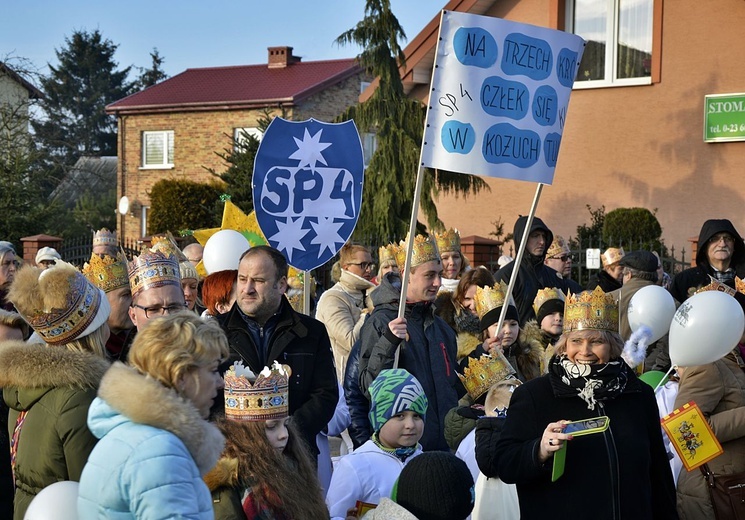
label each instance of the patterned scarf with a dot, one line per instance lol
(402, 453)
(592, 383)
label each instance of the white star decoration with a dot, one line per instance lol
(327, 234)
(309, 150)
(288, 236)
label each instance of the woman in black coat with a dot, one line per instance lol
(621, 473)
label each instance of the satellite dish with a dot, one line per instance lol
(124, 205)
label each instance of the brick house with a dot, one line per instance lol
(634, 134)
(173, 130)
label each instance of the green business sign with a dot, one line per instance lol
(724, 117)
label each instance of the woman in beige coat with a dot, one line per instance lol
(719, 390)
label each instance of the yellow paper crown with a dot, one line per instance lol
(483, 373)
(153, 269)
(104, 237)
(544, 295)
(489, 298)
(448, 240)
(594, 310)
(424, 250)
(167, 245)
(612, 255)
(558, 247)
(386, 254)
(106, 272)
(264, 399)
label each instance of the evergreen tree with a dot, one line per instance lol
(398, 123)
(77, 91)
(155, 74)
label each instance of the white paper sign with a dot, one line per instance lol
(500, 92)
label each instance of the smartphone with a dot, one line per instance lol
(587, 426)
(560, 456)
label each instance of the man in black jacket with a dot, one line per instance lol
(721, 255)
(262, 328)
(532, 274)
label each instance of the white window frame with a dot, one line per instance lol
(363, 86)
(250, 130)
(169, 145)
(369, 146)
(144, 211)
(611, 49)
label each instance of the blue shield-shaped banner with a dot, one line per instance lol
(307, 188)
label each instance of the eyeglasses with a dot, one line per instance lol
(722, 236)
(154, 312)
(365, 266)
(563, 258)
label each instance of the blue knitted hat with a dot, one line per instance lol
(395, 391)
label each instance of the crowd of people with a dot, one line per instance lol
(167, 394)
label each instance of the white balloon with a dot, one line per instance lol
(654, 307)
(706, 327)
(58, 501)
(223, 250)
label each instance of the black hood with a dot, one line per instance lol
(519, 232)
(712, 227)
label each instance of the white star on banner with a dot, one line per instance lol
(309, 150)
(327, 234)
(288, 236)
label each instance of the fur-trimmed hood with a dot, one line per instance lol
(529, 356)
(224, 474)
(533, 332)
(35, 368)
(129, 395)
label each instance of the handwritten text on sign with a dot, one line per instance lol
(499, 97)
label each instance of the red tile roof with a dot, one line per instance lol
(243, 86)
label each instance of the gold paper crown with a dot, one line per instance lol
(448, 240)
(558, 247)
(594, 310)
(386, 254)
(106, 272)
(104, 237)
(545, 295)
(489, 298)
(153, 269)
(265, 399)
(167, 245)
(716, 285)
(612, 255)
(58, 326)
(739, 285)
(424, 250)
(483, 373)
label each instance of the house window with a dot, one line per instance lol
(369, 145)
(240, 136)
(143, 220)
(619, 36)
(363, 86)
(157, 149)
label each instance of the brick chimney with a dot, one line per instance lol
(280, 57)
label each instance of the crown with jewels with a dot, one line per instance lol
(591, 310)
(448, 240)
(424, 250)
(107, 272)
(104, 237)
(612, 255)
(544, 295)
(716, 285)
(249, 397)
(558, 247)
(490, 298)
(483, 373)
(386, 254)
(153, 269)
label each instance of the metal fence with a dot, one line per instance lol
(77, 250)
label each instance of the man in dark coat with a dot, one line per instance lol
(426, 344)
(532, 274)
(721, 255)
(262, 328)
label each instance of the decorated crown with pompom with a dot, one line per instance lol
(591, 310)
(483, 373)
(249, 397)
(424, 250)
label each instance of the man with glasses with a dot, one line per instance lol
(559, 258)
(156, 287)
(721, 256)
(344, 307)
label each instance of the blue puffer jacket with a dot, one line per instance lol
(153, 451)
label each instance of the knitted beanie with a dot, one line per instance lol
(392, 392)
(549, 307)
(435, 485)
